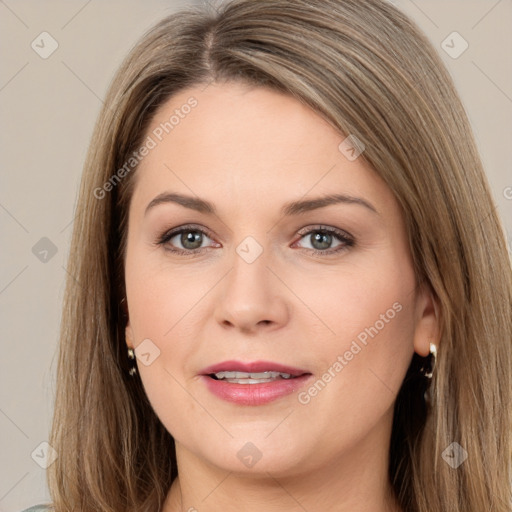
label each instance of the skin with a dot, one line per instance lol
(250, 150)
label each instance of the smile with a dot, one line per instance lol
(255, 383)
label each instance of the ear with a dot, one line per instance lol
(128, 331)
(428, 321)
(128, 335)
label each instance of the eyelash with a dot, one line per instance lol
(346, 239)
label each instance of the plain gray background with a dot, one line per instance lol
(48, 108)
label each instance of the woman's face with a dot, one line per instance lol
(241, 288)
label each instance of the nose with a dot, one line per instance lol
(251, 297)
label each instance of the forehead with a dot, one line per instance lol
(251, 145)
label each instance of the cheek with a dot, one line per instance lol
(161, 297)
(372, 314)
(166, 308)
(371, 299)
(158, 309)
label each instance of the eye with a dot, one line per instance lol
(189, 237)
(322, 237)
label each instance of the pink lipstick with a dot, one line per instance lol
(253, 383)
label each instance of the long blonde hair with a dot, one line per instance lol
(369, 71)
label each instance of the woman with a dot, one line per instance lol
(290, 289)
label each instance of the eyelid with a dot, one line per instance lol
(322, 227)
(171, 233)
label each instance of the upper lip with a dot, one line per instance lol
(252, 367)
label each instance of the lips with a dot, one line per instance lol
(246, 383)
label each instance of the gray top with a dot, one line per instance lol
(37, 508)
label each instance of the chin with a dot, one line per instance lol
(257, 455)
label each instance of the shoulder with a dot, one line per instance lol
(37, 508)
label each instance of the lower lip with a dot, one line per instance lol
(254, 394)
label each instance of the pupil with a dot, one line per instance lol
(318, 237)
(191, 237)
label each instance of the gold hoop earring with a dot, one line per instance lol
(429, 370)
(131, 355)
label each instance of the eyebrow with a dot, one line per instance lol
(289, 209)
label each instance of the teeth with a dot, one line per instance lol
(248, 381)
(251, 378)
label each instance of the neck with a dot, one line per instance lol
(356, 480)
(272, 494)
